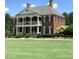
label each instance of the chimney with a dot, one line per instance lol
(51, 3)
(28, 5)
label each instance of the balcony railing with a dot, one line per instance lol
(26, 23)
(34, 22)
(19, 23)
(29, 23)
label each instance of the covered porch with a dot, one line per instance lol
(32, 30)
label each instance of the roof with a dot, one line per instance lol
(42, 10)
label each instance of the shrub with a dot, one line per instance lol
(8, 34)
(58, 35)
(47, 35)
(39, 35)
(68, 32)
(27, 35)
(19, 35)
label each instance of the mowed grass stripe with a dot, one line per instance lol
(38, 49)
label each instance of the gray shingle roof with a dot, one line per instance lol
(42, 10)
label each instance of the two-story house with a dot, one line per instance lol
(40, 19)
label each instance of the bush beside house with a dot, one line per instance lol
(66, 32)
(19, 35)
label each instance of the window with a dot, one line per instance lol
(40, 29)
(47, 30)
(20, 20)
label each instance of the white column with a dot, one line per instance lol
(38, 30)
(49, 18)
(30, 24)
(44, 30)
(43, 18)
(49, 29)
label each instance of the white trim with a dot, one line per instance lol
(27, 25)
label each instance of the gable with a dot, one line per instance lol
(27, 11)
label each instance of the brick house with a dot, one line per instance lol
(41, 19)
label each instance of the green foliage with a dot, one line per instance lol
(39, 35)
(27, 35)
(8, 25)
(67, 32)
(19, 35)
(8, 34)
(68, 18)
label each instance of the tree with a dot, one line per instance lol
(68, 18)
(8, 25)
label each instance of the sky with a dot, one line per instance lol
(14, 6)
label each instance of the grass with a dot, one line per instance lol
(38, 49)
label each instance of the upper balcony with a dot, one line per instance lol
(30, 23)
(34, 21)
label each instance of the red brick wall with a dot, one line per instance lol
(57, 22)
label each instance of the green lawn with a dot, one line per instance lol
(38, 49)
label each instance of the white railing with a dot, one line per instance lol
(19, 23)
(34, 22)
(29, 23)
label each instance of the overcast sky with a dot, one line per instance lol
(14, 6)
